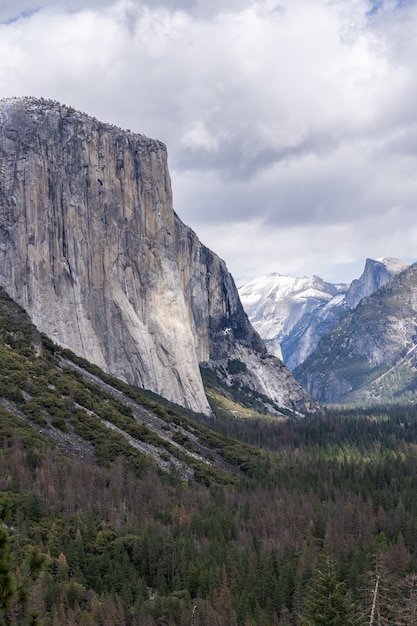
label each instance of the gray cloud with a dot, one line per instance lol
(290, 124)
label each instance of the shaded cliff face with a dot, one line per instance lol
(218, 317)
(91, 248)
(223, 333)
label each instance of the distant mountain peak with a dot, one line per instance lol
(370, 355)
(395, 266)
(377, 272)
(291, 314)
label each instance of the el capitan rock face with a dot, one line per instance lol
(87, 245)
(91, 248)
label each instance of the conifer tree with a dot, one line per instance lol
(7, 587)
(327, 601)
(13, 591)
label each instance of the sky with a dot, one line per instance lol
(291, 125)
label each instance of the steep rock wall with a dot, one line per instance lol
(87, 245)
(90, 246)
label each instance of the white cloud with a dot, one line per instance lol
(197, 136)
(291, 120)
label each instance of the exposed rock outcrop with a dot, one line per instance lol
(91, 248)
(377, 273)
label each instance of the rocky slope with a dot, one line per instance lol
(93, 417)
(370, 354)
(91, 248)
(292, 314)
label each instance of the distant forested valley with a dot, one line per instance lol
(117, 509)
(322, 517)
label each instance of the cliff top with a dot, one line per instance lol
(38, 108)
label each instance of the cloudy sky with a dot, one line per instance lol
(291, 125)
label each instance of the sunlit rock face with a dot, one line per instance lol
(90, 246)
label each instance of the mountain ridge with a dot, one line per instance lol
(368, 347)
(292, 314)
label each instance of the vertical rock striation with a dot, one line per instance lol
(90, 246)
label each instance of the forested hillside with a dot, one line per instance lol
(370, 355)
(116, 509)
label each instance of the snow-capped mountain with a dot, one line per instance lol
(370, 356)
(292, 314)
(280, 307)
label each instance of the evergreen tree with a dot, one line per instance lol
(14, 589)
(7, 587)
(327, 601)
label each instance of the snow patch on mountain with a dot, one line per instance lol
(291, 314)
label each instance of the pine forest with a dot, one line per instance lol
(207, 521)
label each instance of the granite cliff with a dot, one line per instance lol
(376, 274)
(91, 248)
